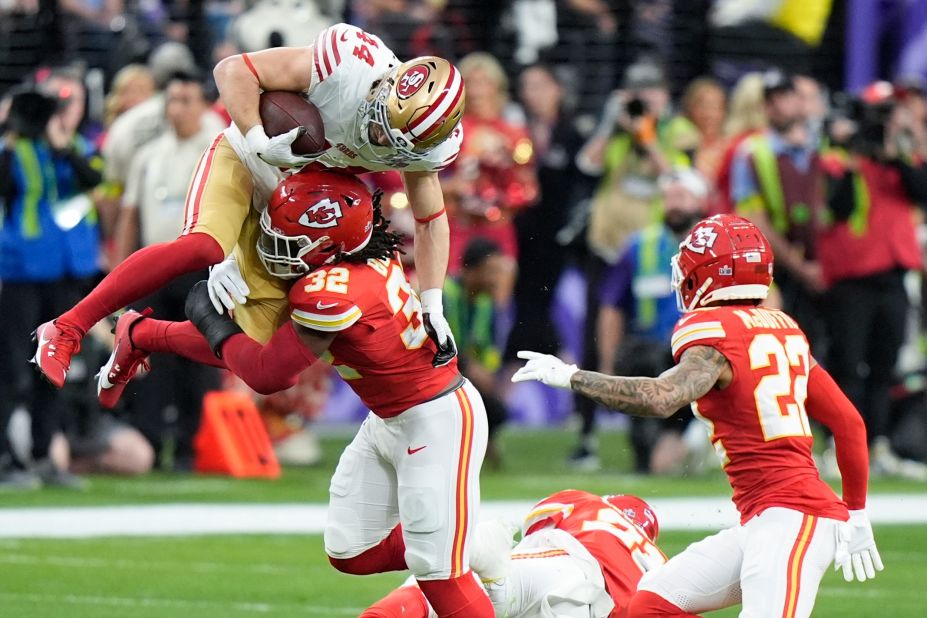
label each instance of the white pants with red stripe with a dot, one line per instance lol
(420, 469)
(773, 565)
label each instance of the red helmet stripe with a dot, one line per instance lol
(434, 127)
(453, 89)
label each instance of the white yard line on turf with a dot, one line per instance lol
(708, 513)
(179, 604)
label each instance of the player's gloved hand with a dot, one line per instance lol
(216, 328)
(437, 328)
(278, 150)
(226, 285)
(492, 548)
(544, 368)
(856, 552)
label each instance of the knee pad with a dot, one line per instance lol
(339, 536)
(420, 521)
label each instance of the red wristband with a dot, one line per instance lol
(431, 217)
(250, 66)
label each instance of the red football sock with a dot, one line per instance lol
(405, 602)
(388, 555)
(460, 597)
(180, 338)
(646, 604)
(142, 273)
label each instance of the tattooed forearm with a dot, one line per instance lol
(697, 372)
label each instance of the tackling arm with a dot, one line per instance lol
(242, 77)
(827, 403)
(698, 371)
(268, 368)
(432, 234)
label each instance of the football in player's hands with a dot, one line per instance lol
(283, 111)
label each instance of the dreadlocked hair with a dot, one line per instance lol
(384, 243)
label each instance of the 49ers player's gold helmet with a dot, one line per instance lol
(416, 105)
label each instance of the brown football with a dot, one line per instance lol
(283, 111)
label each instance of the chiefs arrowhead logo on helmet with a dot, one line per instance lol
(312, 219)
(322, 214)
(701, 238)
(638, 511)
(723, 258)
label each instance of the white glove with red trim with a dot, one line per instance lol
(545, 368)
(277, 150)
(856, 552)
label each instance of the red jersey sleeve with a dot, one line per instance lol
(829, 405)
(321, 301)
(552, 510)
(697, 328)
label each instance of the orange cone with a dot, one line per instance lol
(232, 439)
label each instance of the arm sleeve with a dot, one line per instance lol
(842, 198)
(827, 404)
(272, 367)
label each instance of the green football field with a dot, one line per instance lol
(288, 575)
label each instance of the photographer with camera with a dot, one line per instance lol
(876, 179)
(49, 251)
(637, 139)
(777, 183)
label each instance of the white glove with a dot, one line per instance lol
(544, 368)
(856, 549)
(226, 286)
(276, 151)
(437, 327)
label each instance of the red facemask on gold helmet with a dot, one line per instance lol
(312, 219)
(723, 258)
(637, 511)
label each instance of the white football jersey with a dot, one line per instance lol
(346, 64)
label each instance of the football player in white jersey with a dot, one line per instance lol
(378, 114)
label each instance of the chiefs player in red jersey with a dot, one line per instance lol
(581, 555)
(406, 489)
(749, 376)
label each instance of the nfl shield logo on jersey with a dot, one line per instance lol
(322, 214)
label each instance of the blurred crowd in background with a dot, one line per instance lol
(597, 132)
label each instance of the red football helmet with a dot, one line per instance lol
(312, 218)
(723, 258)
(637, 511)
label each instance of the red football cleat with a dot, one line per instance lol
(123, 363)
(56, 346)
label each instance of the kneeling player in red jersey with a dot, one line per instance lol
(749, 376)
(581, 555)
(406, 489)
